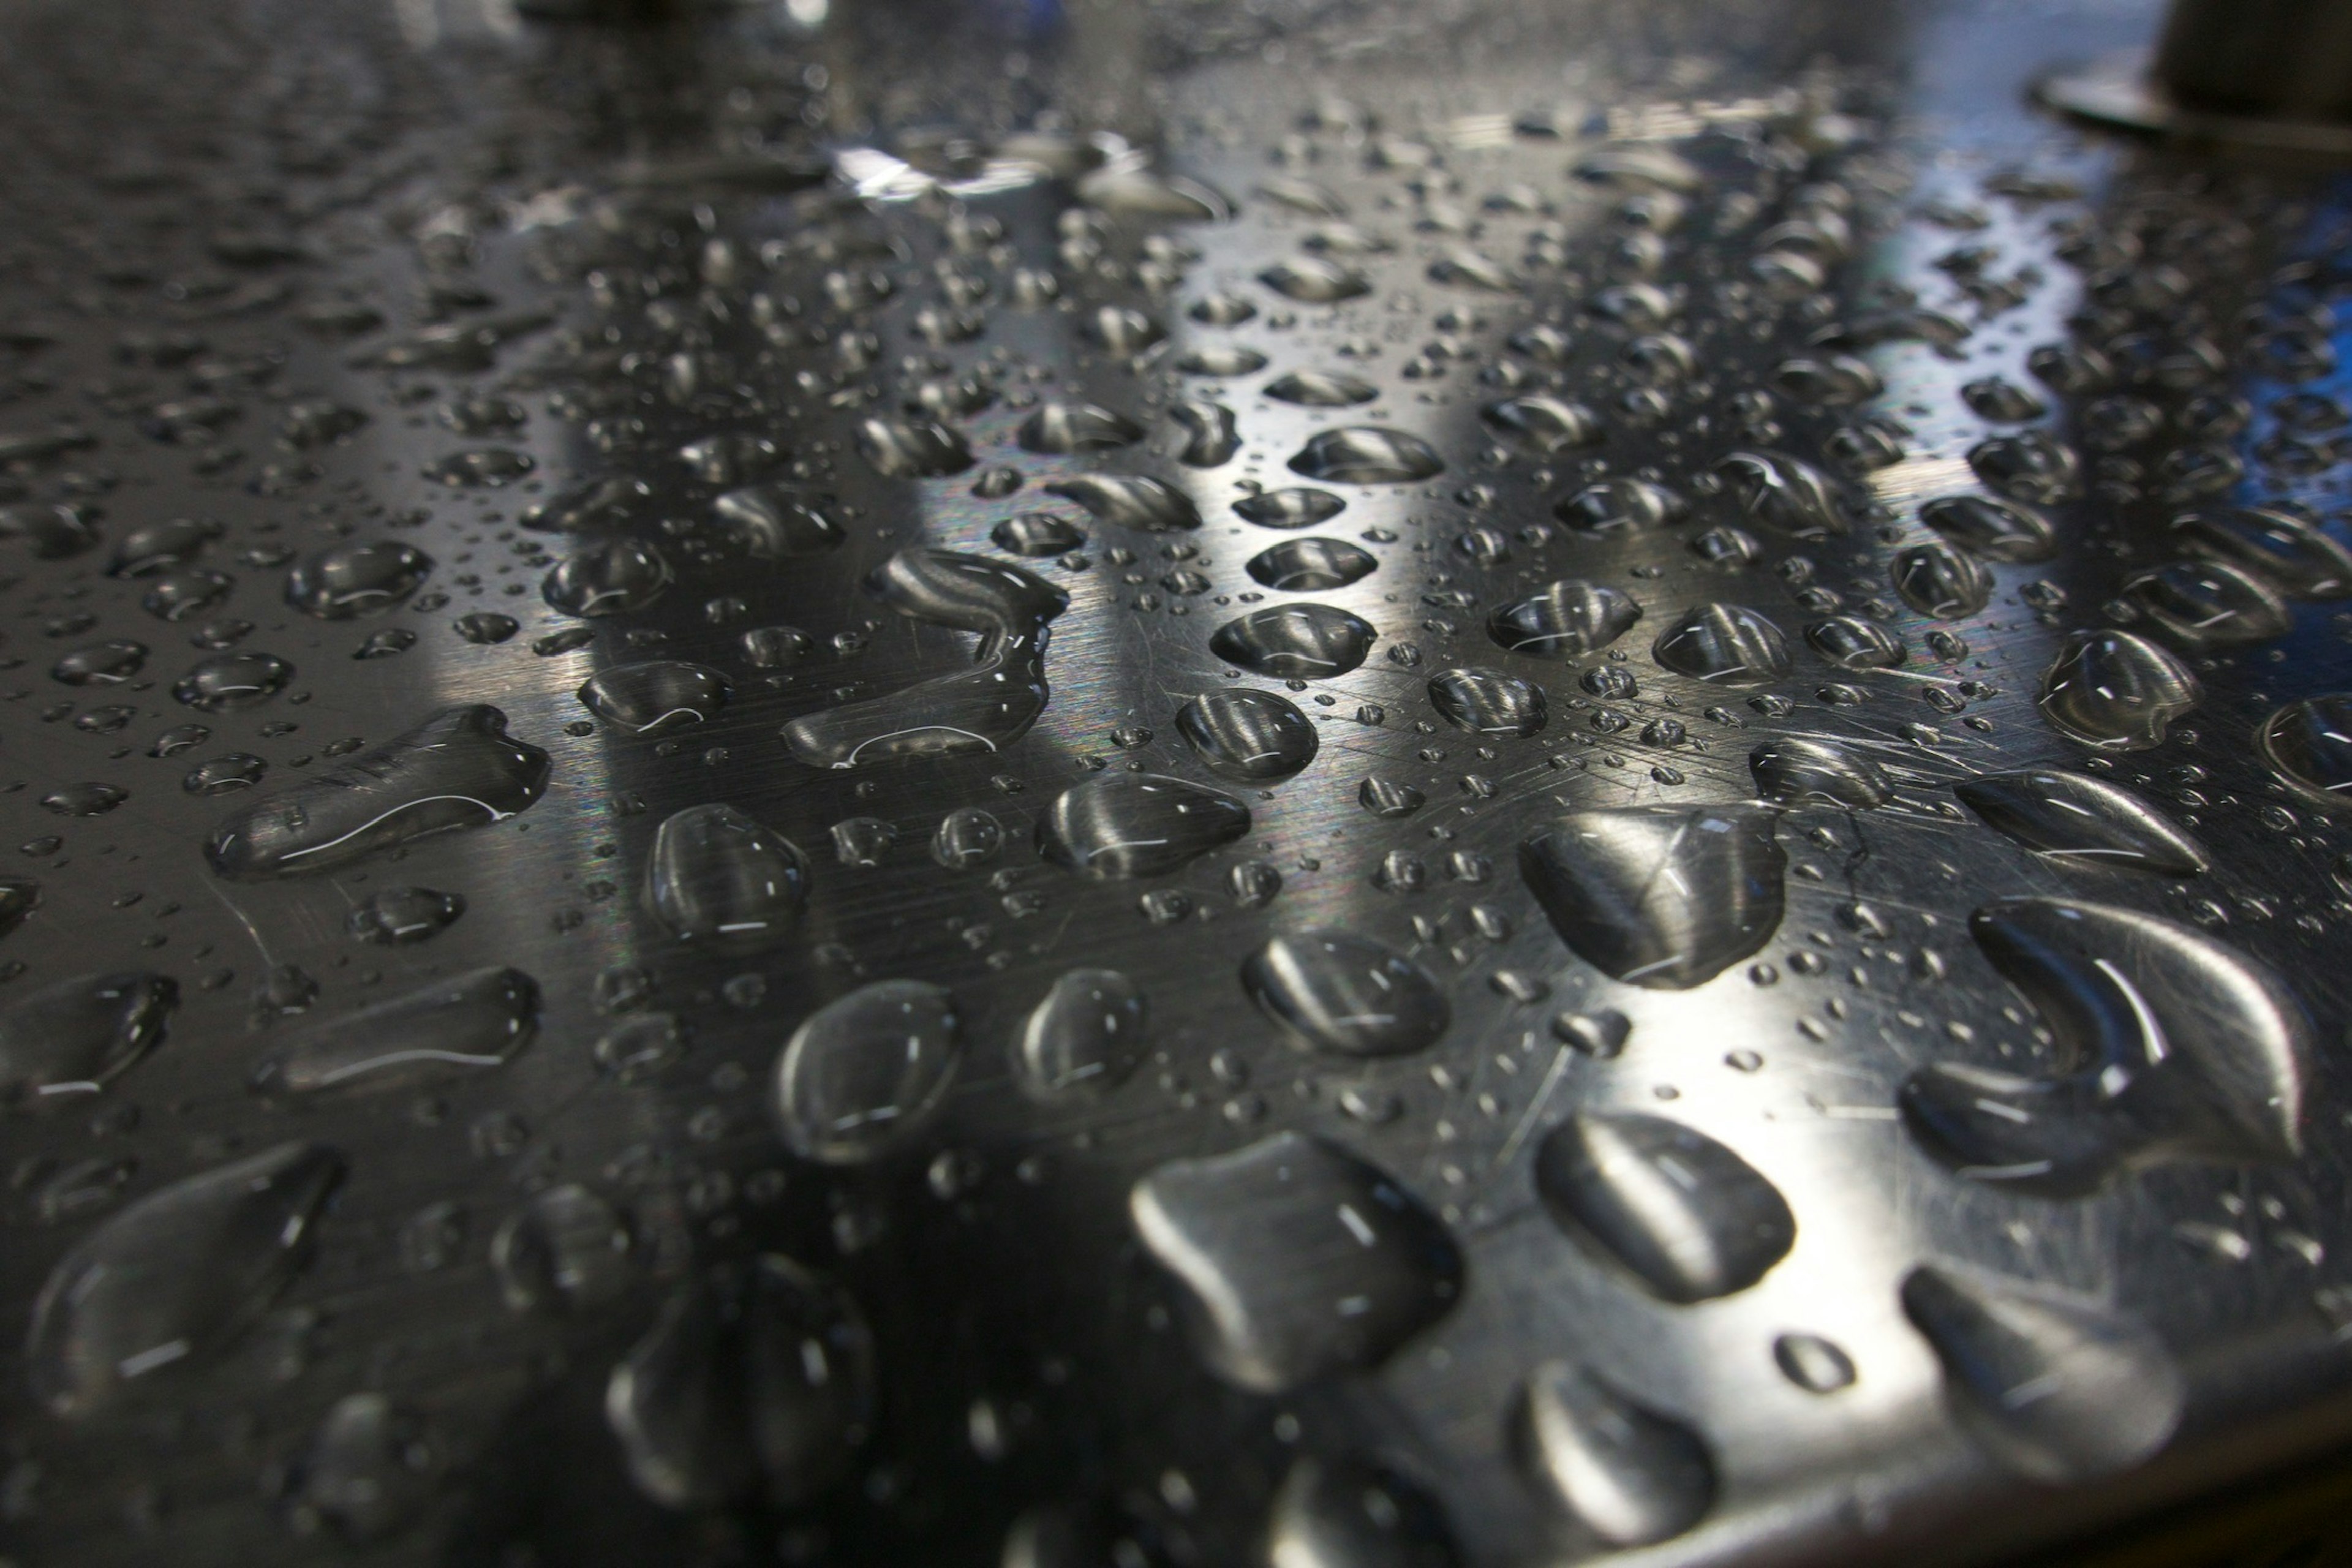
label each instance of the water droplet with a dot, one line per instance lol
(1085, 1037)
(2055, 1388)
(1466, 268)
(1852, 643)
(565, 1250)
(85, 799)
(753, 1378)
(1813, 1363)
(1781, 493)
(2282, 551)
(2082, 820)
(470, 1022)
(1347, 995)
(457, 769)
(2310, 744)
(487, 628)
(779, 522)
(1367, 455)
(1057, 429)
(2029, 467)
(1296, 642)
(2199, 604)
(1298, 1259)
(481, 466)
(717, 876)
(1211, 437)
(982, 709)
(1125, 825)
(2115, 691)
(1792, 770)
(2178, 1049)
(913, 448)
(1253, 736)
(1730, 644)
(394, 917)
(1298, 508)
(1315, 280)
(1939, 582)
(967, 837)
(100, 664)
(1632, 1475)
(366, 1468)
(862, 1074)
(1222, 359)
(2002, 402)
(225, 774)
(66, 1041)
(175, 1277)
(1543, 425)
(1996, 530)
(604, 505)
(233, 680)
(646, 698)
(1488, 702)
(1563, 620)
(1687, 1217)
(54, 532)
(350, 579)
(1663, 897)
(158, 547)
(1130, 500)
(1352, 1513)
(1311, 566)
(1037, 533)
(1321, 389)
(611, 579)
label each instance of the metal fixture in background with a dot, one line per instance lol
(2274, 75)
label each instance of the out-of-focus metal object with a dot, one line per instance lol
(2267, 74)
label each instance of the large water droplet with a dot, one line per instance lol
(1130, 500)
(450, 1028)
(1367, 455)
(1137, 825)
(1488, 702)
(1729, 644)
(1311, 566)
(1352, 1513)
(457, 769)
(1782, 492)
(1297, 507)
(1058, 429)
(984, 708)
(2200, 605)
(1564, 620)
(1296, 642)
(661, 695)
(754, 1378)
(1298, 1259)
(66, 1041)
(778, 523)
(1085, 1038)
(2082, 820)
(1996, 530)
(173, 1278)
(1687, 1217)
(611, 579)
(861, 1075)
(1347, 995)
(349, 580)
(2115, 691)
(1632, 1475)
(2310, 744)
(2176, 1048)
(1664, 897)
(1253, 736)
(1792, 770)
(2057, 1388)
(913, 448)
(2281, 550)
(718, 876)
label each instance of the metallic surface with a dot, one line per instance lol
(572, 217)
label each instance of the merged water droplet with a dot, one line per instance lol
(913, 448)
(1130, 500)
(69, 1041)
(779, 522)
(1298, 1259)
(611, 579)
(1663, 897)
(1367, 455)
(1729, 644)
(1792, 770)
(1488, 702)
(2059, 1389)
(348, 580)
(2281, 550)
(1245, 734)
(862, 1074)
(1311, 566)
(173, 1278)
(717, 876)
(1297, 507)
(2082, 821)
(1347, 994)
(1685, 1216)
(2310, 744)
(1353, 1513)
(1296, 642)
(2199, 604)
(1996, 530)
(1086, 1038)
(984, 708)
(457, 769)
(1137, 825)
(1564, 620)
(450, 1028)
(757, 1378)
(1629, 1473)
(2115, 691)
